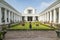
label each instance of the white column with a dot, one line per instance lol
(25, 18)
(12, 16)
(15, 17)
(54, 13)
(50, 16)
(19, 18)
(45, 17)
(0, 15)
(59, 15)
(9, 17)
(5, 16)
(41, 18)
(33, 18)
(0, 19)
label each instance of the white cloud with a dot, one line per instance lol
(44, 5)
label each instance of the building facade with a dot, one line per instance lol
(30, 15)
(8, 14)
(51, 14)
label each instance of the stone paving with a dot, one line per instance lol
(31, 35)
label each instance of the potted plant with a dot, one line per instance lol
(58, 30)
(4, 30)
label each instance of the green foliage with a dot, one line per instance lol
(26, 26)
(1, 35)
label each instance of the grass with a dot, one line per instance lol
(40, 27)
(21, 27)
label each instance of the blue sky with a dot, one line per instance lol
(39, 5)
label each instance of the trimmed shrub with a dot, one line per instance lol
(37, 24)
(1, 36)
(23, 24)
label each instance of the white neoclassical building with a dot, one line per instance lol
(8, 14)
(51, 14)
(30, 14)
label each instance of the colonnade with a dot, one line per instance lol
(52, 16)
(7, 16)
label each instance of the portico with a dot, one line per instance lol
(29, 18)
(30, 15)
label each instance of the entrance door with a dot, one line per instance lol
(29, 18)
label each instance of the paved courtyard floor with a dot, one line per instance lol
(31, 35)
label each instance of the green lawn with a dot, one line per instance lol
(41, 26)
(21, 27)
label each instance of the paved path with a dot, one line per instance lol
(31, 35)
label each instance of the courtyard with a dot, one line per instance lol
(29, 23)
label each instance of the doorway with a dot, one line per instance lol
(30, 18)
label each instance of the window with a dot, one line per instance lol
(36, 18)
(23, 18)
(29, 11)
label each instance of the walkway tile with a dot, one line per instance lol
(31, 35)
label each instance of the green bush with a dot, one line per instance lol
(1, 35)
